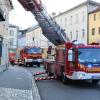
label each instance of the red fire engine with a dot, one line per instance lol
(12, 56)
(76, 62)
(30, 55)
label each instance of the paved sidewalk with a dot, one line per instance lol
(18, 84)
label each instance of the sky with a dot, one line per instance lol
(24, 19)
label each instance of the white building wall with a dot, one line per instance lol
(75, 22)
(39, 39)
(21, 42)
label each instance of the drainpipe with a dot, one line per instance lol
(87, 24)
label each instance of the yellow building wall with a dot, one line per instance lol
(44, 54)
(94, 24)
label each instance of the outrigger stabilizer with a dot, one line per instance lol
(45, 77)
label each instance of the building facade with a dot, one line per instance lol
(94, 26)
(5, 8)
(13, 31)
(75, 21)
(34, 37)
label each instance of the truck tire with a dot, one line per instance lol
(25, 64)
(63, 76)
(38, 64)
(95, 82)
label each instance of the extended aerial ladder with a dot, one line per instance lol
(50, 29)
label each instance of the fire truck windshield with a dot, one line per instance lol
(34, 50)
(89, 55)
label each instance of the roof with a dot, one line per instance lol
(96, 10)
(82, 4)
(14, 26)
(32, 28)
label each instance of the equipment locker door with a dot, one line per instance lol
(71, 61)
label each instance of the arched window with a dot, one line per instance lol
(71, 35)
(76, 34)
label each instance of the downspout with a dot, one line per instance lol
(87, 25)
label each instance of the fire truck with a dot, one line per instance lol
(72, 61)
(12, 56)
(76, 62)
(30, 56)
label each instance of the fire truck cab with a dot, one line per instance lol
(30, 56)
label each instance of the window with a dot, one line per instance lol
(83, 33)
(11, 42)
(11, 32)
(99, 30)
(83, 16)
(65, 21)
(94, 17)
(76, 18)
(93, 31)
(70, 55)
(71, 20)
(71, 35)
(76, 34)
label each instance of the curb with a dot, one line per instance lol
(35, 91)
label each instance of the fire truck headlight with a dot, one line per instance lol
(81, 75)
(89, 65)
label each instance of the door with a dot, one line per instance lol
(71, 61)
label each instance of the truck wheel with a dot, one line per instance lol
(25, 64)
(95, 81)
(38, 64)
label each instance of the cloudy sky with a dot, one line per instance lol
(25, 19)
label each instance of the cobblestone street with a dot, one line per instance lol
(15, 94)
